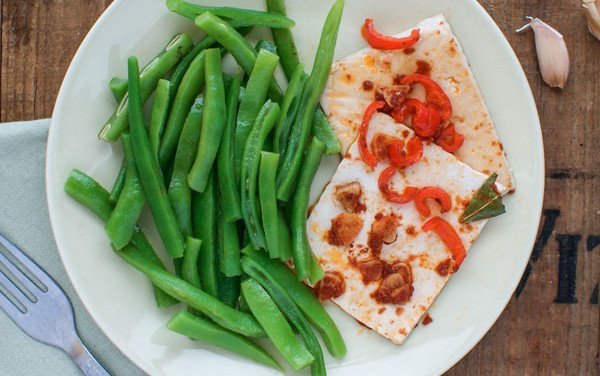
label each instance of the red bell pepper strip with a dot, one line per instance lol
(432, 192)
(406, 196)
(448, 236)
(449, 139)
(434, 93)
(413, 153)
(384, 42)
(366, 155)
(400, 114)
(426, 119)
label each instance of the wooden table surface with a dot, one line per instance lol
(551, 325)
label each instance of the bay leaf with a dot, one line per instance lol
(486, 203)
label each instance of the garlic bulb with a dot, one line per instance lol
(552, 53)
(592, 13)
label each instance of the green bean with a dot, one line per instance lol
(229, 38)
(268, 201)
(229, 289)
(141, 243)
(118, 87)
(213, 122)
(225, 163)
(237, 46)
(303, 297)
(288, 55)
(149, 171)
(89, 193)
(254, 97)
(286, 304)
(189, 266)
(180, 193)
(249, 171)
(301, 130)
(275, 325)
(188, 90)
(263, 44)
(246, 17)
(119, 183)
(204, 330)
(315, 271)
(229, 246)
(285, 238)
(220, 313)
(243, 305)
(182, 67)
(323, 131)
(294, 71)
(286, 48)
(157, 69)
(204, 216)
(299, 207)
(123, 219)
(159, 114)
(93, 196)
(292, 96)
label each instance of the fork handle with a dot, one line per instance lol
(85, 360)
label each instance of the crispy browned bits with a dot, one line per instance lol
(426, 319)
(380, 144)
(348, 195)
(393, 290)
(404, 269)
(383, 230)
(395, 95)
(371, 270)
(344, 229)
(331, 286)
(445, 267)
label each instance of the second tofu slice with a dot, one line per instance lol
(420, 258)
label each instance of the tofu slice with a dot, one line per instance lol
(423, 251)
(438, 54)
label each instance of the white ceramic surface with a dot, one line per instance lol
(120, 299)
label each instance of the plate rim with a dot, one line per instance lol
(452, 360)
(136, 360)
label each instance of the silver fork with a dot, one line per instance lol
(40, 307)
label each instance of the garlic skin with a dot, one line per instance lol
(552, 53)
(592, 13)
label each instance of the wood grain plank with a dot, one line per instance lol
(39, 39)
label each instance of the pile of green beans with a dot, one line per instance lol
(245, 17)
(225, 164)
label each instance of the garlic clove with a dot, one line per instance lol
(552, 53)
(592, 13)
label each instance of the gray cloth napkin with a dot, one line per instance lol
(24, 220)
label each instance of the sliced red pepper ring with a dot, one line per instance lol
(449, 236)
(434, 93)
(410, 107)
(368, 157)
(449, 139)
(426, 119)
(431, 122)
(413, 153)
(436, 193)
(384, 42)
(406, 196)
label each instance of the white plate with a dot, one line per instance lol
(120, 299)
